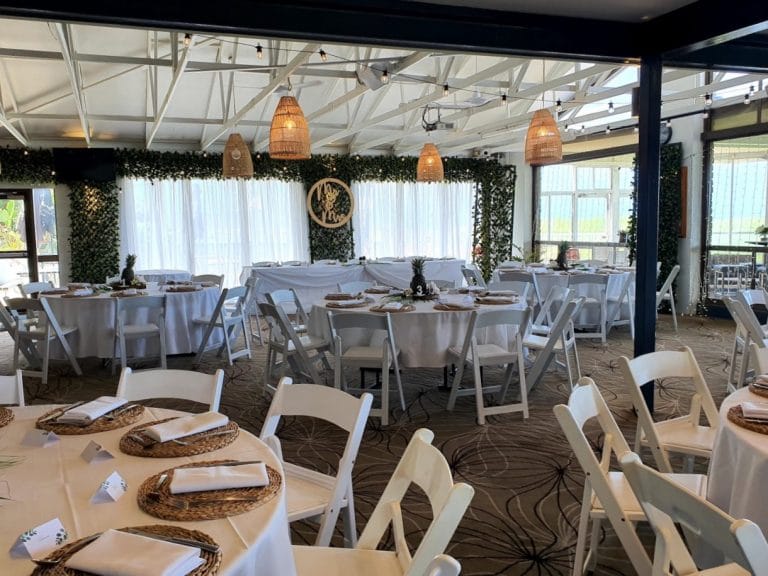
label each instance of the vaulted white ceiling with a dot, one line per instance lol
(82, 85)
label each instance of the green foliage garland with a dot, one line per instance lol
(94, 239)
(669, 211)
(95, 235)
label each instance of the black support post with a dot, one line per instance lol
(648, 154)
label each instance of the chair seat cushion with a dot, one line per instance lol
(139, 329)
(696, 483)
(307, 492)
(311, 560)
(363, 354)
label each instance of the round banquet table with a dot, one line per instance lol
(423, 335)
(55, 482)
(94, 317)
(738, 469)
(163, 276)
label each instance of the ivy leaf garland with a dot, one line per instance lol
(94, 239)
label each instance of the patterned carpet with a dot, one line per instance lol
(528, 485)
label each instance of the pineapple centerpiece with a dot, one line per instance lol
(128, 274)
(419, 286)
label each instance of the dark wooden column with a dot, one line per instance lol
(647, 210)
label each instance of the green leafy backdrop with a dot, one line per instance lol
(95, 214)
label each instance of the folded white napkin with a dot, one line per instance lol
(342, 303)
(758, 410)
(458, 300)
(391, 306)
(501, 293)
(186, 426)
(90, 411)
(218, 478)
(762, 380)
(116, 553)
(83, 292)
(499, 299)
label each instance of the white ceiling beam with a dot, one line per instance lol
(278, 79)
(177, 74)
(12, 97)
(217, 78)
(436, 94)
(64, 36)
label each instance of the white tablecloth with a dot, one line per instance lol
(55, 482)
(424, 335)
(95, 319)
(738, 469)
(164, 275)
(313, 282)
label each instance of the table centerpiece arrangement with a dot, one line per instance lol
(420, 289)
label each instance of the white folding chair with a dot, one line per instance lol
(377, 351)
(34, 288)
(181, 384)
(666, 294)
(613, 306)
(443, 565)
(151, 307)
(480, 355)
(45, 330)
(311, 493)
(289, 301)
(748, 330)
(8, 320)
(755, 331)
(12, 389)
(252, 308)
(667, 505)
(263, 264)
(231, 320)
(217, 279)
(557, 297)
(598, 283)
(522, 288)
(592, 263)
(682, 434)
(472, 277)
(606, 493)
(286, 348)
(443, 284)
(759, 358)
(529, 278)
(423, 465)
(354, 287)
(560, 339)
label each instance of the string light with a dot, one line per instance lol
(607, 129)
(565, 127)
(705, 115)
(26, 152)
(385, 76)
(707, 99)
(610, 108)
(746, 99)
(559, 107)
(635, 129)
(259, 51)
(583, 129)
(187, 39)
(323, 55)
(668, 123)
(503, 98)
(445, 89)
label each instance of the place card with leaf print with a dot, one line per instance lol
(40, 540)
(111, 490)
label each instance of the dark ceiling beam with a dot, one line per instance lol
(733, 57)
(393, 23)
(701, 25)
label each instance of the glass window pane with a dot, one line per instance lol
(13, 235)
(558, 178)
(45, 221)
(592, 219)
(560, 217)
(584, 178)
(602, 178)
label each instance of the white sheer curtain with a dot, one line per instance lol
(413, 219)
(212, 226)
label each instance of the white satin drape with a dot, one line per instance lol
(212, 226)
(413, 219)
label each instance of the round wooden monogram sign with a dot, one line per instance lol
(330, 203)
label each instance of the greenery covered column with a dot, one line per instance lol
(95, 235)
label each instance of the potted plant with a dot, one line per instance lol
(128, 274)
(762, 232)
(418, 282)
(562, 255)
(622, 236)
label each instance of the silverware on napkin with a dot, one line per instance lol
(60, 411)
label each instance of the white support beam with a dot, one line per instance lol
(64, 36)
(10, 92)
(177, 74)
(434, 95)
(278, 79)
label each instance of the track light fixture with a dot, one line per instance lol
(707, 99)
(385, 76)
(445, 90)
(610, 108)
(559, 107)
(259, 51)
(323, 55)
(187, 39)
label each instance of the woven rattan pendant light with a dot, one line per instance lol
(430, 165)
(543, 144)
(289, 133)
(237, 158)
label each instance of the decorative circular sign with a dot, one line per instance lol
(327, 205)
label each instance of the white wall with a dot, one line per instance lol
(522, 230)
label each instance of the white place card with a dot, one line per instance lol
(95, 452)
(111, 490)
(40, 438)
(40, 540)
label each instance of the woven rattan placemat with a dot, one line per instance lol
(209, 568)
(759, 390)
(125, 417)
(208, 441)
(6, 416)
(207, 505)
(736, 415)
(404, 308)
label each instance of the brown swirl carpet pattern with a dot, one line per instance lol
(528, 484)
